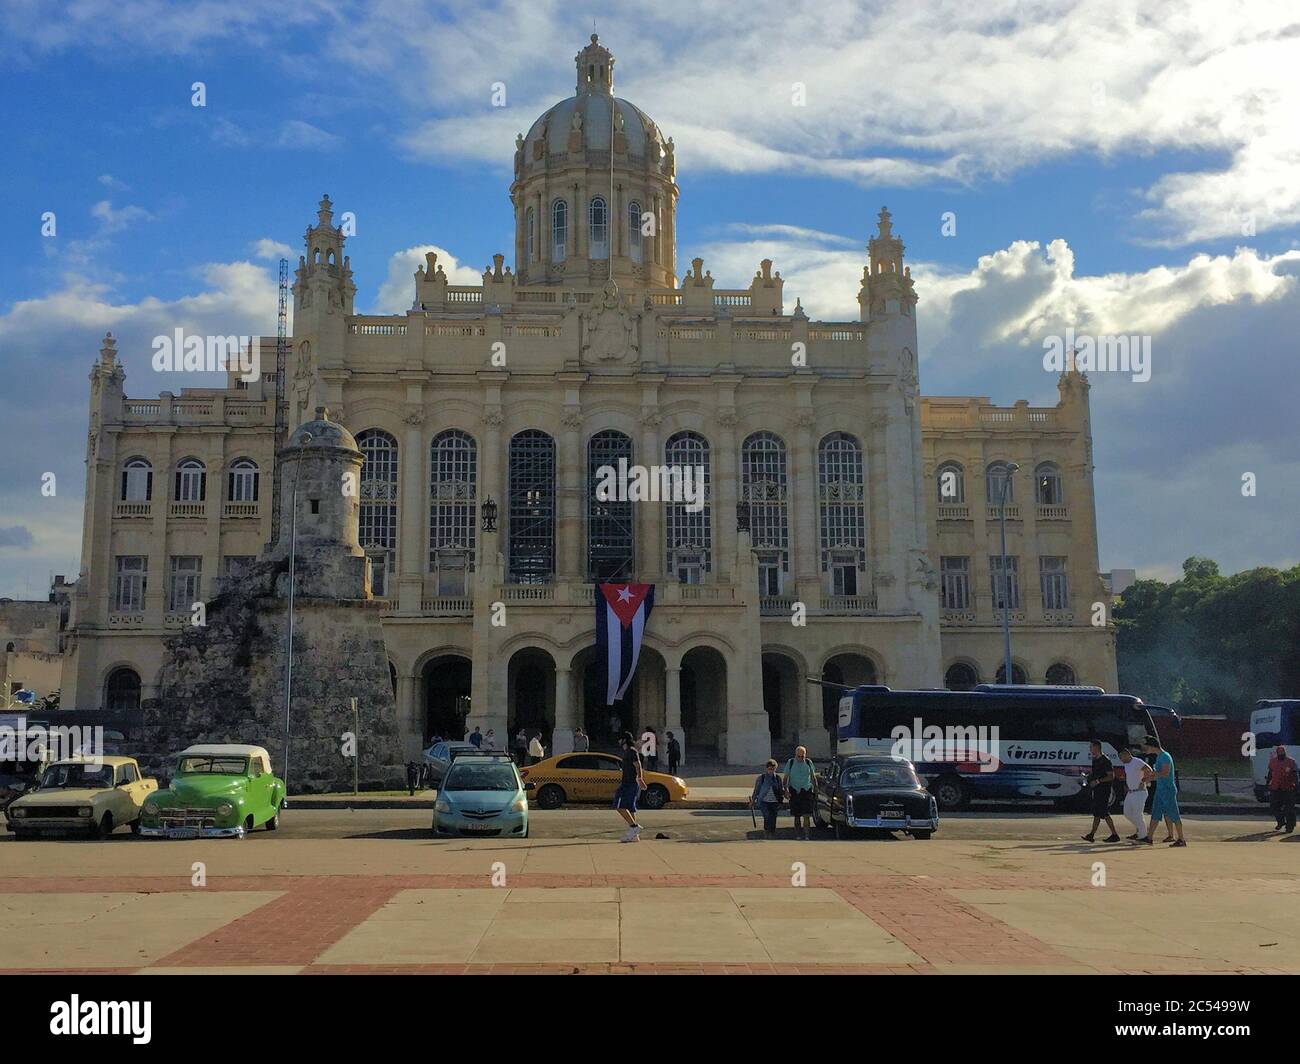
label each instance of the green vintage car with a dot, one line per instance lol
(217, 790)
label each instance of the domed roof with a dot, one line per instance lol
(322, 432)
(591, 106)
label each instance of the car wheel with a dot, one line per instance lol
(841, 830)
(922, 834)
(551, 796)
(104, 828)
(135, 826)
(950, 793)
(248, 824)
(655, 797)
(273, 822)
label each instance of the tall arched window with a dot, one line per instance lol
(122, 691)
(841, 488)
(241, 482)
(950, 482)
(1048, 487)
(960, 677)
(994, 477)
(1060, 674)
(530, 235)
(634, 231)
(763, 490)
(611, 549)
(559, 230)
(690, 520)
(378, 516)
(598, 220)
(453, 476)
(137, 480)
(531, 509)
(191, 481)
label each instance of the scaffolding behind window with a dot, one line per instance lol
(611, 549)
(531, 510)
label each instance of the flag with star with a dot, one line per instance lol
(621, 614)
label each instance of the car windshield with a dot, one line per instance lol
(890, 775)
(218, 766)
(481, 778)
(77, 776)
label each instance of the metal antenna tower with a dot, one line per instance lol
(281, 394)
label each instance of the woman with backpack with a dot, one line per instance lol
(769, 793)
(800, 780)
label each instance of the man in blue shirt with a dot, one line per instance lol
(1165, 805)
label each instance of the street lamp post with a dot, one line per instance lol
(1010, 468)
(288, 651)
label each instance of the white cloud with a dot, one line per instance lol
(398, 289)
(295, 134)
(114, 220)
(266, 248)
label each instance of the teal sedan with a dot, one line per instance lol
(481, 797)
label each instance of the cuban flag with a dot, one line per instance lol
(621, 613)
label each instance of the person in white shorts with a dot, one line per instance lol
(1136, 774)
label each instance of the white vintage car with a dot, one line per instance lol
(85, 795)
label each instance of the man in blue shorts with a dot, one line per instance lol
(629, 788)
(1165, 805)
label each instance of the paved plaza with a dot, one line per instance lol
(369, 891)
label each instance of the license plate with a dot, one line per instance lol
(478, 827)
(182, 833)
(892, 814)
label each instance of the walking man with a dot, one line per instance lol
(629, 788)
(674, 754)
(800, 779)
(536, 752)
(1165, 805)
(650, 748)
(476, 737)
(521, 746)
(768, 794)
(1099, 784)
(1136, 774)
(1282, 783)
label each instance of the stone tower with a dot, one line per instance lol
(225, 680)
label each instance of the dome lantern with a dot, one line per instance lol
(595, 68)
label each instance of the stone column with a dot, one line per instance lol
(410, 720)
(410, 542)
(570, 555)
(650, 528)
(673, 710)
(724, 475)
(802, 504)
(562, 735)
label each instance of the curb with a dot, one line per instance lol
(719, 804)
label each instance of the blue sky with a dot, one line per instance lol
(1118, 167)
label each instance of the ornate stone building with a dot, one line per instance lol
(830, 543)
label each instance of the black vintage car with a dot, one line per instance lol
(877, 791)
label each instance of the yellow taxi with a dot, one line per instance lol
(593, 777)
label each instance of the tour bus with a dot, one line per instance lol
(1273, 722)
(1038, 750)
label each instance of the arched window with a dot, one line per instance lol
(329, 257)
(960, 677)
(191, 481)
(241, 483)
(1017, 674)
(841, 488)
(598, 219)
(559, 230)
(122, 691)
(994, 477)
(763, 490)
(378, 516)
(137, 480)
(531, 508)
(530, 235)
(1061, 674)
(634, 231)
(950, 481)
(453, 503)
(1048, 486)
(690, 518)
(611, 550)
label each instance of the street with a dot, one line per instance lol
(370, 890)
